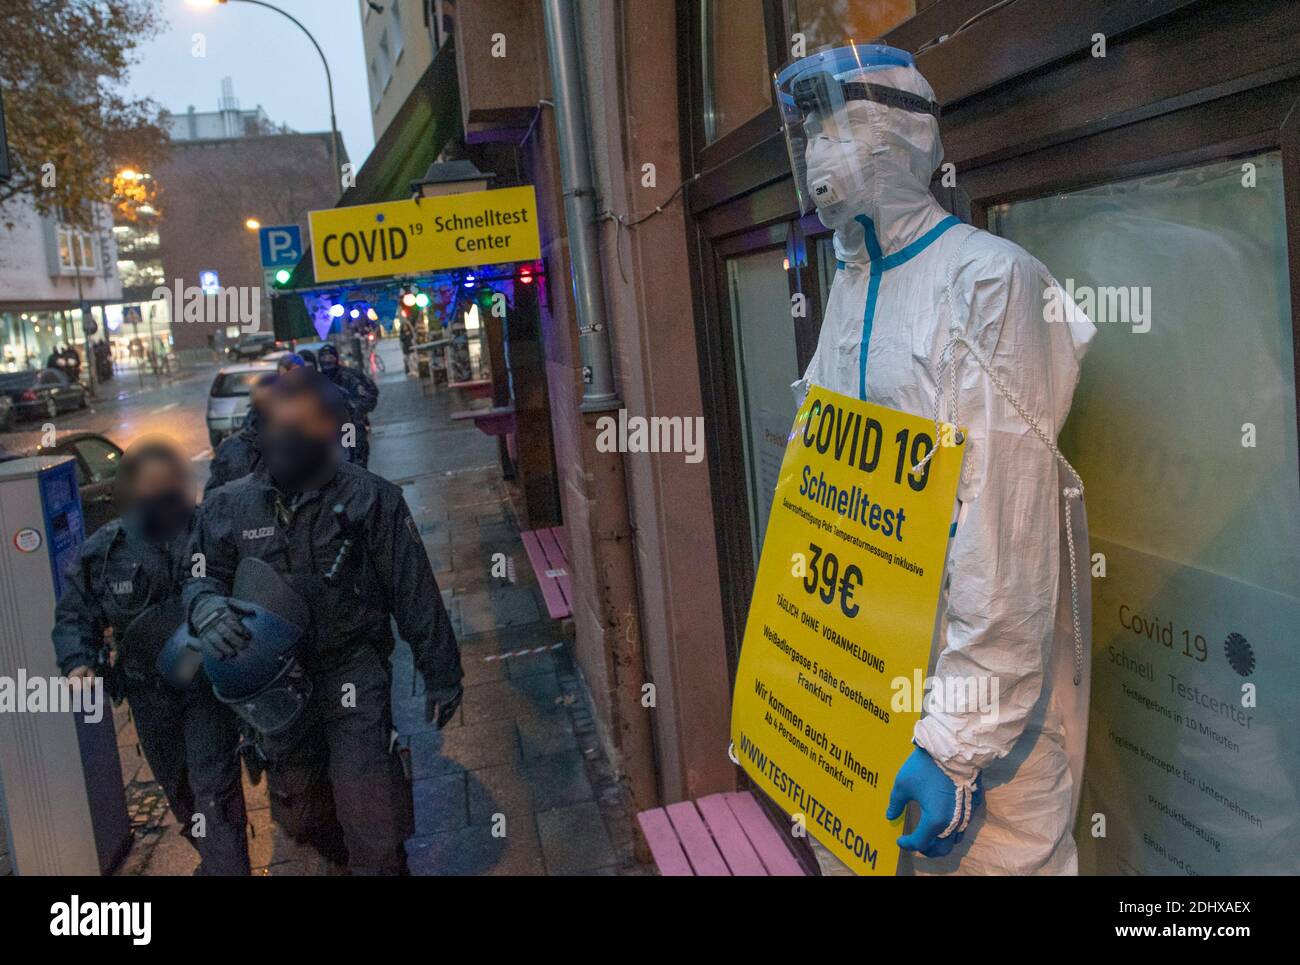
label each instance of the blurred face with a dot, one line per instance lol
(328, 361)
(301, 442)
(161, 497)
(158, 476)
(302, 415)
(259, 398)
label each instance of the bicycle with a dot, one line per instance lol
(376, 360)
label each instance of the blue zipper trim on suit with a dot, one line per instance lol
(881, 263)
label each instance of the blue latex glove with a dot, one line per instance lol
(946, 808)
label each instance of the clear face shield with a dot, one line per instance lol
(824, 100)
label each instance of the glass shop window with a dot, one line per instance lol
(1184, 422)
(836, 22)
(766, 366)
(737, 82)
(1183, 429)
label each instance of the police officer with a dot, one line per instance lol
(344, 540)
(361, 393)
(241, 453)
(124, 582)
(288, 362)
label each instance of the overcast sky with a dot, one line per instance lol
(270, 60)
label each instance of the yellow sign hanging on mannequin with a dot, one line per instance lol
(432, 234)
(842, 617)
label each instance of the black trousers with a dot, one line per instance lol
(361, 453)
(336, 763)
(191, 741)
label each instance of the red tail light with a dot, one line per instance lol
(29, 396)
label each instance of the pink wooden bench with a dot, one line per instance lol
(492, 421)
(473, 388)
(551, 564)
(720, 835)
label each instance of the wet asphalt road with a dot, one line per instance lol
(124, 411)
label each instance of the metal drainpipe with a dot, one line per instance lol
(615, 587)
(598, 393)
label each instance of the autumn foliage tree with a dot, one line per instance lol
(71, 123)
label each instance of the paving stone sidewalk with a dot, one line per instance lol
(516, 783)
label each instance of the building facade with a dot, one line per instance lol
(273, 179)
(702, 249)
(400, 38)
(47, 270)
(228, 120)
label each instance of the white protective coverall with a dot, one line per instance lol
(1006, 609)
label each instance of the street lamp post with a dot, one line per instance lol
(329, 79)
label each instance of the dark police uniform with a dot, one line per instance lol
(189, 738)
(235, 458)
(341, 743)
(362, 396)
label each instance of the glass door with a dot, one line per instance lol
(758, 289)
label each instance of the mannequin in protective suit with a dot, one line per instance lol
(922, 305)
(126, 581)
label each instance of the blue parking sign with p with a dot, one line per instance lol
(281, 245)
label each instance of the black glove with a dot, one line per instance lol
(440, 704)
(218, 623)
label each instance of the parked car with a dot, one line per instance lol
(228, 399)
(97, 460)
(313, 347)
(7, 414)
(254, 346)
(299, 348)
(42, 394)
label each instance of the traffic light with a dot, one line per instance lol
(282, 277)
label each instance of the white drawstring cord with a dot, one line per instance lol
(962, 807)
(1069, 492)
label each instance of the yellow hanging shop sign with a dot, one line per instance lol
(409, 237)
(842, 618)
